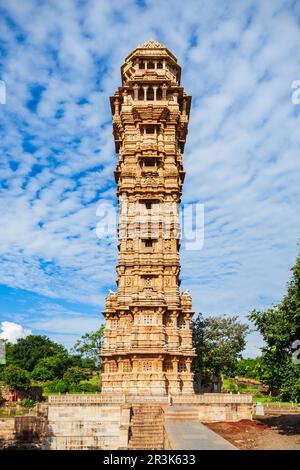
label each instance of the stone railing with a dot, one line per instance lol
(103, 399)
(91, 399)
(119, 399)
(153, 399)
(207, 398)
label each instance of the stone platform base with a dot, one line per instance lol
(102, 421)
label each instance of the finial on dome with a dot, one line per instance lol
(150, 47)
(152, 44)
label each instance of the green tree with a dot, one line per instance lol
(76, 360)
(27, 352)
(15, 377)
(51, 367)
(75, 375)
(89, 345)
(56, 386)
(219, 341)
(249, 368)
(280, 329)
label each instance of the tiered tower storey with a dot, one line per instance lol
(147, 347)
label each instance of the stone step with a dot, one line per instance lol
(147, 411)
(147, 436)
(137, 440)
(147, 418)
(145, 448)
(147, 422)
(144, 429)
(137, 435)
(156, 409)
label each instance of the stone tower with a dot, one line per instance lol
(147, 348)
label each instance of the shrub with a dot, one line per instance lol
(75, 375)
(84, 388)
(27, 403)
(57, 386)
(15, 377)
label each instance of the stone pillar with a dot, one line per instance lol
(145, 92)
(135, 92)
(164, 91)
(188, 379)
(174, 381)
(184, 106)
(117, 107)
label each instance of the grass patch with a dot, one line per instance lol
(273, 401)
(230, 386)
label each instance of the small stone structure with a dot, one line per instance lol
(96, 421)
(124, 422)
(31, 393)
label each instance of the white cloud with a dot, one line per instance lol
(12, 331)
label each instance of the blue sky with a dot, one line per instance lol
(60, 62)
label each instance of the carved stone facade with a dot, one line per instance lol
(147, 348)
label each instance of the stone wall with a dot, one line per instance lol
(78, 422)
(7, 430)
(219, 406)
(99, 421)
(21, 432)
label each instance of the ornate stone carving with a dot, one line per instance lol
(145, 351)
(151, 44)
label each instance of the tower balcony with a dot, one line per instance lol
(186, 300)
(111, 301)
(152, 74)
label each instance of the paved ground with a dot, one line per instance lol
(195, 436)
(266, 433)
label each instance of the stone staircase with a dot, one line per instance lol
(182, 414)
(146, 428)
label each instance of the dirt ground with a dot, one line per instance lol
(275, 432)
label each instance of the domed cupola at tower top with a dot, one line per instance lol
(151, 61)
(150, 93)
